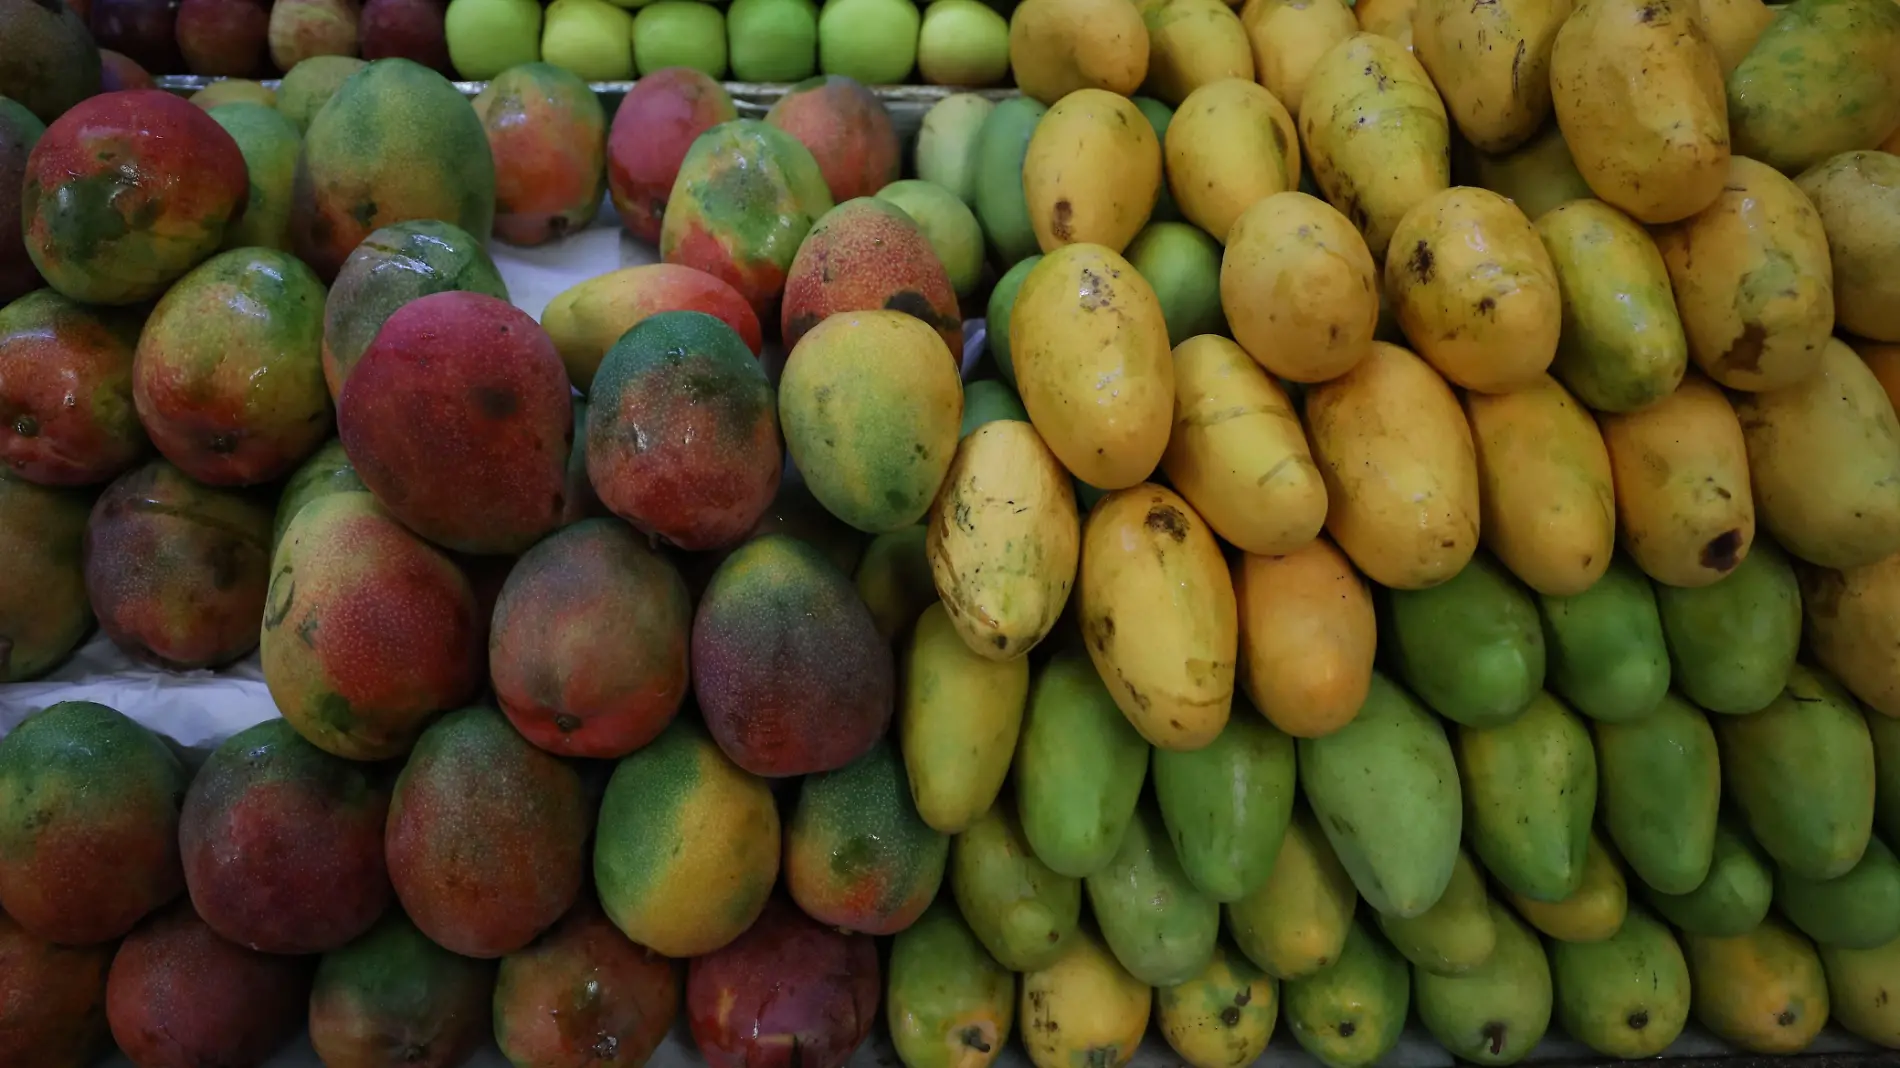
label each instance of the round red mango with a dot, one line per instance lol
(628, 996)
(406, 29)
(867, 255)
(658, 121)
(548, 135)
(66, 415)
(52, 1000)
(128, 191)
(459, 418)
(848, 131)
(788, 993)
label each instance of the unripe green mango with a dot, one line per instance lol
(1530, 794)
(1351, 1014)
(1859, 910)
(1471, 647)
(1079, 768)
(1659, 786)
(1626, 996)
(1156, 923)
(1001, 205)
(1022, 912)
(1227, 804)
(1605, 646)
(1497, 1012)
(949, 1004)
(1732, 643)
(1593, 912)
(1734, 896)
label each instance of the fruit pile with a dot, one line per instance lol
(1369, 592)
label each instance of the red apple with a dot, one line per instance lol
(409, 29)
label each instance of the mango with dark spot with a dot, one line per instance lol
(459, 418)
(44, 611)
(656, 124)
(949, 1004)
(1763, 991)
(747, 194)
(586, 320)
(788, 666)
(1627, 995)
(486, 835)
(126, 192)
(548, 136)
(179, 996)
(394, 999)
(788, 993)
(270, 144)
(1350, 1015)
(283, 843)
(1733, 642)
(683, 438)
(583, 995)
(20, 130)
(367, 630)
(327, 471)
(864, 255)
(229, 375)
(1496, 1012)
(857, 854)
(1224, 1016)
(588, 646)
(1083, 1008)
(52, 1000)
(1863, 995)
(848, 131)
(396, 142)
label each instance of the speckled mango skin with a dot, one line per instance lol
(392, 267)
(394, 999)
(687, 846)
(548, 136)
(847, 130)
(53, 349)
(327, 471)
(486, 835)
(584, 996)
(44, 612)
(587, 650)
(586, 320)
(176, 570)
(229, 377)
(862, 255)
(682, 438)
(125, 192)
(283, 843)
(52, 1000)
(857, 854)
(459, 418)
(367, 630)
(746, 195)
(396, 142)
(88, 823)
(270, 144)
(657, 123)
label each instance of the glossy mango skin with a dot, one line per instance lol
(1622, 345)
(1604, 648)
(1763, 991)
(1295, 923)
(1350, 1015)
(1494, 1013)
(1530, 793)
(1455, 935)
(1022, 912)
(1492, 64)
(1224, 1016)
(1546, 506)
(1821, 78)
(1289, 36)
(1733, 642)
(1859, 910)
(1308, 636)
(1083, 1008)
(1079, 768)
(1626, 996)
(1091, 172)
(1231, 144)
(1157, 924)
(948, 1003)
(1594, 911)
(959, 717)
(1472, 647)
(1660, 791)
(1227, 805)
(1298, 284)
(1732, 898)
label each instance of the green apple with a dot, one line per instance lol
(486, 37)
(949, 226)
(963, 42)
(873, 41)
(773, 40)
(592, 38)
(680, 33)
(946, 145)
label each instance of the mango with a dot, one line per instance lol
(1192, 43)
(1627, 995)
(1497, 103)
(988, 400)
(1454, 936)
(88, 823)
(1159, 117)
(1000, 202)
(1860, 991)
(1385, 788)
(1538, 176)
(392, 997)
(1802, 773)
(548, 137)
(52, 348)
(1858, 910)
(1021, 911)
(651, 134)
(1295, 922)
(1733, 26)
(1289, 36)
(1308, 633)
(44, 610)
(1083, 1008)
(358, 663)
(1530, 789)
(787, 981)
(1057, 47)
(945, 152)
(1733, 897)
(1091, 172)
(1770, 122)
(1227, 805)
(893, 580)
(947, 223)
(1605, 652)
(55, 998)
(797, 514)
(1351, 1014)
(857, 855)
(1763, 991)
(585, 320)
(948, 1004)
(431, 162)
(1733, 643)
(1231, 144)
(626, 996)
(1471, 647)
(958, 721)
(316, 77)
(1078, 770)
(847, 130)
(1855, 194)
(1593, 912)
(687, 847)
(1496, 1012)
(1001, 303)
(328, 471)
(863, 255)
(1851, 624)
(270, 143)
(1223, 1017)
(1547, 509)
(1157, 924)
(1661, 790)
(1298, 285)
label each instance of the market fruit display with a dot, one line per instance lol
(1346, 539)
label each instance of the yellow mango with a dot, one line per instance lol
(1238, 453)
(1732, 26)
(1308, 635)
(1858, 197)
(1763, 991)
(1593, 912)
(1544, 492)
(1059, 46)
(1158, 615)
(1295, 924)
(1003, 539)
(1230, 145)
(1860, 987)
(1092, 172)
(1192, 43)
(1084, 1009)
(1223, 1017)
(1680, 470)
(1401, 474)
(1092, 361)
(1288, 37)
(1299, 288)
(1753, 280)
(1492, 63)
(959, 717)
(1853, 628)
(1884, 362)
(1387, 18)
(1371, 82)
(1638, 92)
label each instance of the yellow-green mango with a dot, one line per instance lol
(1156, 923)
(1351, 1014)
(1823, 78)
(1604, 647)
(1626, 996)
(949, 1004)
(1733, 897)
(1860, 991)
(1022, 912)
(1227, 804)
(1593, 912)
(1079, 768)
(894, 580)
(1733, 641)
(1497, 1012)
(1530, 793)
(1223, 1017)
(1537, 175)
(1859, 910)
(1296, 922)
(1763, 991)
(1470, 647)
(1659, 785)
(1453, 936)
(958, 723)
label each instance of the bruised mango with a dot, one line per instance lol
(1023, 913)
(548, 136)
(1078, 769)
(949, 1004)
(1733, 642)
(1546, 504)
(1763, 991)
(1308, 634)
(1660, 789)
(857, 854)
(959, 718)
(44, 610)
(1496, 1012)
(1295, 922)
(1592, 912)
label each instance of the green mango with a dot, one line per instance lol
(958, 717)
(1160, 116)
(1860, 991)
(1735, 895)
(1227, 804)
(1296, 922)
(1732, 642)
(1885, 731)
(949, 1004)
(1605, 646)
(986, 401)
(1002, 303)
(1001, 205)
(1022, 912)
(1802, 773)
(1591, 914)
(1859, 910)
(1538, 175)
(1497, 1012)
(1079, 768)
(1181, 263)
(1385, 789)
(894, 580)
(1530, 795)
(1453, 936)
(1660, 787)
(1472, 647)
(1626, 996)
(1351, 1014)
(1156, 923)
